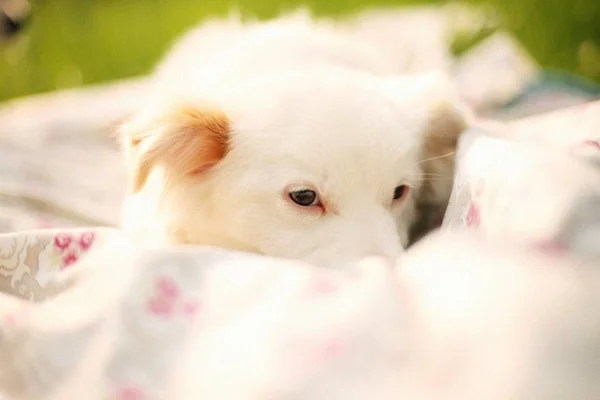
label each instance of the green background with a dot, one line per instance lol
(74, 42)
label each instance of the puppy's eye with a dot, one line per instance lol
(305, 198)
(400, 192)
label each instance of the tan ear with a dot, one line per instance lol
(445, 118)
(183, 140)
(447, 122)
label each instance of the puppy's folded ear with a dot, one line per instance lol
(432, 104)
(445, 118)
(183, 140)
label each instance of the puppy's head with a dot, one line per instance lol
(325, 166)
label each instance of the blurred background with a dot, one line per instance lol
(68, 43)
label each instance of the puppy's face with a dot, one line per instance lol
(323, 166)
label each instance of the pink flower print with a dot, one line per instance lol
(592, 143)
(166, 301)
(129, 393)
(167, 286)
(473, 216)
(161, 306)
(165, 298)
(62, 241)
(85, 240)
(68, 259)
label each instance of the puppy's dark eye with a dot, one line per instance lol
(305, 198)
(400, 192)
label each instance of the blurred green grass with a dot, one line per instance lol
(75, 42)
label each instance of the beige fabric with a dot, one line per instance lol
(59, 165)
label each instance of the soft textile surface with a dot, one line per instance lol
(458, 317)
(533, 179)
(59, 165)
(502, 304)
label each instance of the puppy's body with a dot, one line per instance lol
(246, 120)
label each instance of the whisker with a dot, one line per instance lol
(428, 175)
(436, 158)
(434, 179)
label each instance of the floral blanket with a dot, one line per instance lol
(501, 303)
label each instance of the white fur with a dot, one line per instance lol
(308, 104)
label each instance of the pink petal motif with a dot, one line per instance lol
(129, 393)
(86, 239)
(592, 143)
(167, 286)
(161, 306)
(192, 307)
(62, 241)
(68, 259)
(473, 216)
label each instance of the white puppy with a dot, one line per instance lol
(290, 138)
